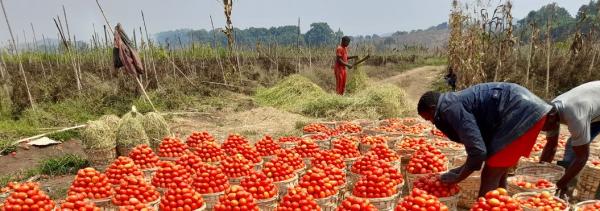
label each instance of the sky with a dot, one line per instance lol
(353, 17)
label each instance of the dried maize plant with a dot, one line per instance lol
(228, 31)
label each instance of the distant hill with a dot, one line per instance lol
(433, 37)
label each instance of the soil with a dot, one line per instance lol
(416, 81)
(27, 159)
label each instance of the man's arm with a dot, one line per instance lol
(341, 61)
(353, 57)
(466, 127)
(581, 156)
(551, 145)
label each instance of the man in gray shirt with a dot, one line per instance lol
(579, 109)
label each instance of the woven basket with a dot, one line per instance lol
(328, 203)
(100, 158)
(102, 203)
(307, 162)
(149, 173)
(300, 172)
(343, 192)
(525, 196)
(154, 204)
(469, 189)
(549, 171)
(397, 164)
(364, 123)
(588, 184)
(364, 148)
(258, 166)
(513, 188)
(351, 179)
(202, 208)
(235, 180)
(349, 162)
(284, 185)
(385, 204)
(324, 144)
(211, 199)
(579, 206)
(168, 158)
(268, 158)
(267, 204)
(451, 202)
(287, 145)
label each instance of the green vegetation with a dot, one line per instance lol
(66, 164)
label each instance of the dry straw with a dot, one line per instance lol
(156, 128)
(131, 132)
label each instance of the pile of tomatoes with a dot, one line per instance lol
(198, 137)
(171, 175)
(250, 153)
(135, 205)
(259, 185)
(348, 127)
(134, 187)
(346, 148)
(420, 200)
(354, 203)
(143, 157)
(91, 183)
(289, 139)
(543, 201)
(372, 140)
(432, 184)
(595, 163)
(326, 158)
(372, 185)
(410, 143)
(232, 144)
(315, 128)
(184, 198)
(426, 160)
(191, 162)
(318, 137)
(297, 199)
(236, 198)
(382, 152)
(539, 184)
(496, 200)
(336, 175)
(367, 163)
(209, 152)
(306, 148)
(28, 196)
(266, 146)
(171, 147)
(292, 158)
(210, 180)
(121, 168)
(278, 170)
(590, 207)
(317, 183)
(78, 202)
(236, 166)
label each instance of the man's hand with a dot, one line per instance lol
(450, 178)
(561, 188)
(350, 66)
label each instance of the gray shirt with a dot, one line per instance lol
(578, 108)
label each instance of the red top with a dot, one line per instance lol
(343, 53)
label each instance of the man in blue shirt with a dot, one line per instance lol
(497, 122)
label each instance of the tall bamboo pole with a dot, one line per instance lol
(16, 52)
(548, 52)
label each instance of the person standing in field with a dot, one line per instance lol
(341, 63)
(579, 109)
(496, 122)
(451, 78)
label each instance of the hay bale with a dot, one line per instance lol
(156, 128)
(290, 94)
(358, 80)
(387, 100)
(99, 141)
(112, 120)
(130, 132)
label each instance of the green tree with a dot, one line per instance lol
(320, 34)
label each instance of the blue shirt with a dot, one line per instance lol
(487, 117)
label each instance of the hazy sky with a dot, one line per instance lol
(354, 17)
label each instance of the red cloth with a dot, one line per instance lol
(510, 155)
(339, 69)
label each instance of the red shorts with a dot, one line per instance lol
(510, 155)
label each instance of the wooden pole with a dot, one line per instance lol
(16, 51)
(151, 51)
(548, 51)
(66, 23)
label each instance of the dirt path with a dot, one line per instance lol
(416, 81)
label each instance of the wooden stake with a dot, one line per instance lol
(151, 50)
(66, 23)
(16, 51)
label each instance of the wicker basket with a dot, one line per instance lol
(284, 185)
(235, 180)
(451, 202)
(268, 158)
(149, 173)
(469, 189)
(202, 208)
(307, 162)
(323, 144)
(349, 162)
(579, 206)
(102, 203)
(154, 204)
(300, 172)
(549, 171)
(267, 204)
(287, 145)
(397, 164)
(258, 166)
(328, 203)
(364, 123)
(391, 141)
(513, 188)
(385, 204)
(351, 179)
(211, 199)
(364, 148)
(588, 184)
(525, 196)
(100, 158)
(172, 159)
(343, 192)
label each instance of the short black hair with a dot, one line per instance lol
(345, 39)
(428, 99)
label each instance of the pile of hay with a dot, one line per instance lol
(110, 119)
(298, 94)
(290, 94)
(99, 140)
(357, 80)
(130, 132)
(156, 128)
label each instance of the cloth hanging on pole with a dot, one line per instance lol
(124, 54)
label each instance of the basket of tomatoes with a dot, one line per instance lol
(447, 194)
(525, 183)
(590, 205)
(532, 201)
(588, 182)
(549, 171)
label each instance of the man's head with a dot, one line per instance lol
(345, 41)
(428, 104)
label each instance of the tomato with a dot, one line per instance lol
(209, 152)
(278, 170)
(297, 198)
(291, 158)
(259, 185)
(427, 159)
(267, 146)
(315, 128)
(134, 187)
(181, 198)
(236, 198)
(170, 175)
(91, 183)
(382, 152)
(326, 158)
(233, 143)
(346, 147)
(121, 168)
(496, 200)
(318, 184)
(198, 137)
(420, 200)
(210, 180)
(143, 157)
(78, 202)
(544, 200)
(307, 148)
(432, 184)
(348, 127)
(26, 196)
(236, 166)
(171, 147)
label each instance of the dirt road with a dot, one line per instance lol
(415, 81)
